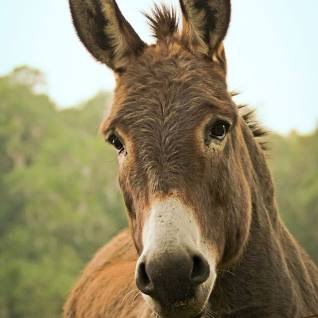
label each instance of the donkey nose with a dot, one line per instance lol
(172, 277)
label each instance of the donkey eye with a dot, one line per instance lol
(115, 141)
(219, 129)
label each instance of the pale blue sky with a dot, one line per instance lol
(272, 52)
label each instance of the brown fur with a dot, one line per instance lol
(162, 101)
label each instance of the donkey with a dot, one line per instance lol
(205, 238)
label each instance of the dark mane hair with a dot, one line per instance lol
(259, 132)
(163, 21)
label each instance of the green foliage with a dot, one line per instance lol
(60, 200)
(58, 194)
(295, 168)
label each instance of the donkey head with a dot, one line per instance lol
(183, 160)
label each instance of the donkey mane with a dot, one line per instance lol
(258, 131)
(163, 21)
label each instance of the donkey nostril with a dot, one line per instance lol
(143, 281)
(143, 276)
(200, 270)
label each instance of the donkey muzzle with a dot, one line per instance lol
(171, 278)
(173, 271)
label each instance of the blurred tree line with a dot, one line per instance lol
(59, 199)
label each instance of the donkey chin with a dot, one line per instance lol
(175, 272)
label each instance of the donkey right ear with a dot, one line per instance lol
(205, 23)
(105, 32)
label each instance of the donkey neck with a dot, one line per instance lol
(264, 283)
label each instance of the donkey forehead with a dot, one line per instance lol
(171, 86)
(171, 67)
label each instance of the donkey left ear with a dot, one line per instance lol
(205, 23)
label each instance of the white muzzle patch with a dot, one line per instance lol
(170, 225)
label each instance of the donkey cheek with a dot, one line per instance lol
(237, 237)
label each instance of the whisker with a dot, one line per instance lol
(227, 271)
(130, 293)
(137, 294)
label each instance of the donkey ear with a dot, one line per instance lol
(105, 32)
(205, 23)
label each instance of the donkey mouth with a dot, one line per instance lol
(190, 308)
(184, 312)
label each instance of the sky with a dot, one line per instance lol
(272, 50)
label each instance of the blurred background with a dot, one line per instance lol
(59, 199)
